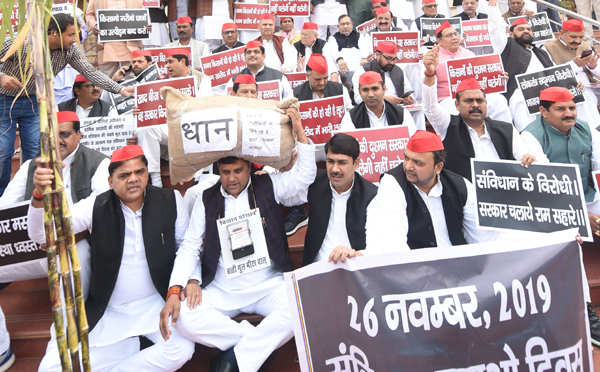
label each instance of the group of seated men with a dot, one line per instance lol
(153, 254)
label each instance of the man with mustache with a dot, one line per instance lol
(134, 232)
(470, 134)
(287, 30)
(470, 11)
(517, 8)
(375, 111)
(566, 139)
(140, 60)
(384, 21)
(185, 29)
(229, 33)
(310, 44)
(86, 100)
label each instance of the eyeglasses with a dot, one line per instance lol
(65, 135)
(229, 32)
(89, 86)
(389, 59)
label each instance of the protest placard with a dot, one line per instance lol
(483, 307)
(541, 198)
(290, 8)
(108, 133)
(220, 67)
(540, 26)
(487, 69)
(557, 76)
(160, 60)
(151, 3)
(246, 15)
(122, 24)
(269, 90)
(124, 105)
(65, 8)
(296, 78)
(321, 117)
(478, 33)
(429, 25)
(381, 149)
(152, 106)
(366, 27)
(15, 245)
(407, 44)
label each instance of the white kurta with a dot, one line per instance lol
(352, 56)
(379, 122)
(272, 59)
(284, 85)
(199, 49)
(390, 89)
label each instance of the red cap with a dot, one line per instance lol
(377, 2)
(424, 141)
(80, 79)
(285, 17)
(64, 116)
(318, 63)
(427, 1)
(382, 10)
(574, 25)
(245, 79)
(310, 26)
(253, 44)
(177, 51)
(267, 16)
(442, 27)
(470, 83)
(184, 20)
(556, 94)
(141, 53)
(520, 21)
(228, 25)
(387, 47)
(369, 77)
(126, 153)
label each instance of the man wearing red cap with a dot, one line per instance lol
(255, 61)
(325, 13)
(134, 231)
(245, 86)
(86, 100)
(287, 30)
(385, 23)
(229, 33)
(200, 49)
(375, 111)
(140, 60)
(471, 134)
(309, 43)
(206, 317)
(569, 140)
(376, 4)
(421, 204)
(317, 85)
(279, 54)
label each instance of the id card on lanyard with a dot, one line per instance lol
(243, 243)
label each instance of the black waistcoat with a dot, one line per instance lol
(420, 225)
(304, 92)
(460, 149)
(99, 108)
(83, 167)
(316, 48)
(516, 59)
(360, 118)
(319, 205)
(397, 75)
(350, 41)
(266, 74)
(159, 214)
(261, 188)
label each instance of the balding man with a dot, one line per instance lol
(309, 43)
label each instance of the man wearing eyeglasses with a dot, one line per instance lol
(430, 10)
(229, 33)
(86, 100)
(185, 29)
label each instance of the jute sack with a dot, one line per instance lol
(183, 165)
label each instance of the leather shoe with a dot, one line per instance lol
(220, 365)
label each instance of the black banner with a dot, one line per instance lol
(471, 308)
(558, 76)
(428, 26)
(540, 26)
(15, 245)
(541, 198)
(122, 24)
(124, 105)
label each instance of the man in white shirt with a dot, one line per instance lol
(420, 204)
(349, 47)
(309, 43)
(185, 30)
(279, 54)
(385, 23)
(134, 233)
(154, 139)
(375, 111)
(471, 134)
(228, 286)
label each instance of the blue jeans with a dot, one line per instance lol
(552, 15)
(23, 112)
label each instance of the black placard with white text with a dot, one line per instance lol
(15, 245)
(540, 26)
(125, 104)
(122, 24)
(429, 25)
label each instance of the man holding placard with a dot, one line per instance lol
(185, 29)
(227, 231)
(471, 134)
(375, 111)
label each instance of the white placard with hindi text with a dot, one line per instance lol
(107, 133)
(209, 130)
(261, 132)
